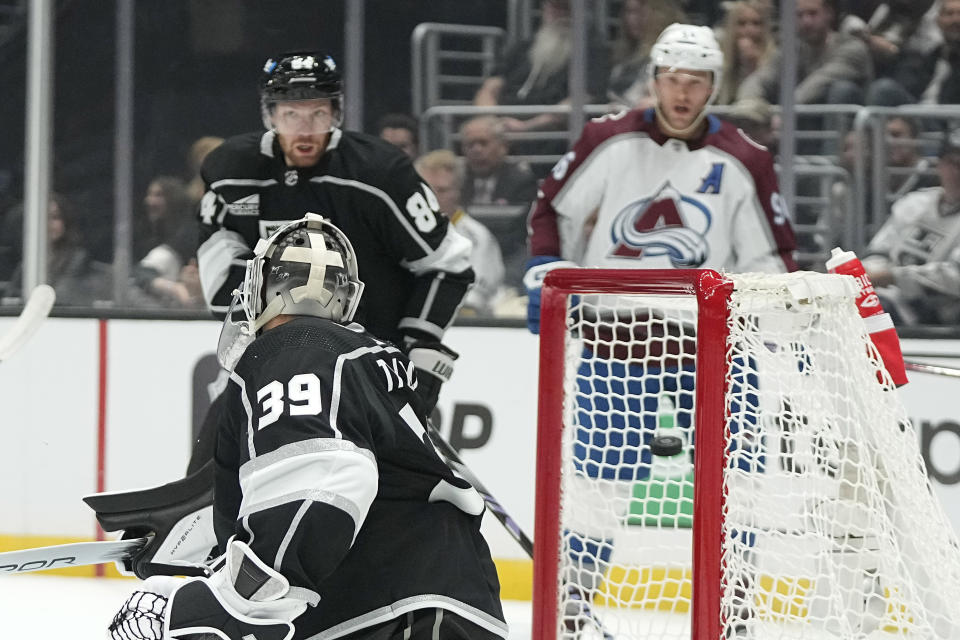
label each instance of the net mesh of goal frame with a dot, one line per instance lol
(798, 505)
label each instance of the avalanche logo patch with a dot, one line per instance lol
(667, 223)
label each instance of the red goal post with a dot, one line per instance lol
(712, 291)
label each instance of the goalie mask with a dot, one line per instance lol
(306, 268)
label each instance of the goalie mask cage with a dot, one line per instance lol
(787, 497)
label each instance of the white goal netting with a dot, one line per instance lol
(827, 524)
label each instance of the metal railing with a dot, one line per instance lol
(437, 66)
(440, 128)
(824, 215)
(871, 121)
(826, 207)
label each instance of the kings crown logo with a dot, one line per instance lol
(664, 224)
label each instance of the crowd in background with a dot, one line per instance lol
(893, 53)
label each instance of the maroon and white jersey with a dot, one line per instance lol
(629, 196)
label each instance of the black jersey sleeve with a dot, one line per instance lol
(429, 247)
(223, 251)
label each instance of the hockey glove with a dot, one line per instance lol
(244, 598)
(434, 364)
(176, 517)
(537, 269)
(141, 616)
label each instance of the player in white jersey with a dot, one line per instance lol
(914, 259)
(664, 188)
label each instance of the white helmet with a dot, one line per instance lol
(688, 46)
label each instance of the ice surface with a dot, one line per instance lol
(39, 607)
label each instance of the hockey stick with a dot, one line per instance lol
(457, 465)
(77, 554)
(34, 311)
(929, 368)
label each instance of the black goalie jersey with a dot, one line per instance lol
(324, 468)
(416, 268)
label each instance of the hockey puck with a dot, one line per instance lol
(666, 445)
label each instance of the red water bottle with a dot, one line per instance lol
(878, 323)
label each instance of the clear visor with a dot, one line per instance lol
(306, 117)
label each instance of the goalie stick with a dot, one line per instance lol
(34, 311)
(61, 556)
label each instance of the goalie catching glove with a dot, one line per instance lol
(243, 598)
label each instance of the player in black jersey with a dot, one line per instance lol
(336, 516)
(417, 266)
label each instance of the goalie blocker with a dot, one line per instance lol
(176, 518)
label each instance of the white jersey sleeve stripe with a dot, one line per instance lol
(453, 255)
(431, 296)
(242, 182)
(215, 257)
(341, 478)
(288, 536)
(314, 445)
(251, 450)
(422, 325)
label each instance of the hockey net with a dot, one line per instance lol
(787, 497)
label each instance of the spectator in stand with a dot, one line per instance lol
(400, 130)
(165, 246)
(890, 28)
(747, 42)
(78, 279)
(641, 21)
(914, 260)
(491, 177)
(908, 169)
(534, 71)
(932, 78)
(198, 151)
(443, 173)
(832, 67)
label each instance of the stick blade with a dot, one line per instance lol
(34, 312)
